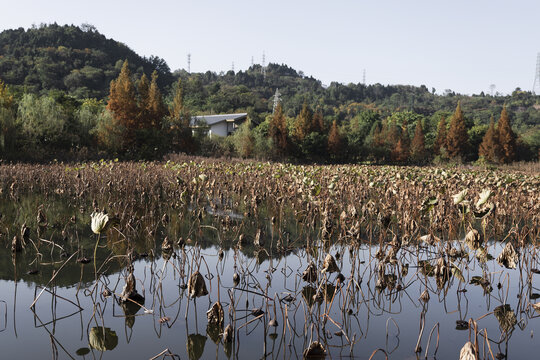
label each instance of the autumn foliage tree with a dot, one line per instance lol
(457, 140)
(156, 108)
(507, 138)
(303, 124)
(401, 150)
(418, 146)
(278, 131)
(144, 99)
(440, 140)
(123, 99)
(490, 148)
(335, 142)
(179, 121)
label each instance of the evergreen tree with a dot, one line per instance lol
(123, 103)
(418, 146)
(278, 131)
(490, 148)
(457, 141)
(335, 143)
(440, 140)
(507, 138)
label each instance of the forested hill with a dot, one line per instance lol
(78, 60)
(81, 62)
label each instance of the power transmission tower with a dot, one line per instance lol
(277, 99)
(536, 84)
(492, 89)
(263, 69)
(252, 62)
(233, 66)
(364, 77)
(189, 63)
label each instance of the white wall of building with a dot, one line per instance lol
(219, 129)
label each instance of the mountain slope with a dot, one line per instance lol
(78, 60)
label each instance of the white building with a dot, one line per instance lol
(220, 125)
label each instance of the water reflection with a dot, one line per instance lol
(272, 302)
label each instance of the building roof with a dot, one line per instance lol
(214, 119)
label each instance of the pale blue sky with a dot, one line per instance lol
(463, 45)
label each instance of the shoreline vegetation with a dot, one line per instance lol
(69, 93)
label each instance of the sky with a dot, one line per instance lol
(462, 45)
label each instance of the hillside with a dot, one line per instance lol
(78, 60)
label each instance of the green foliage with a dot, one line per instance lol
(244, 140)
(42, 121)
(69, 58)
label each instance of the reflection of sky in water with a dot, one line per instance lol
(24, 337)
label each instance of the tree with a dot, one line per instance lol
(41, 119)
(507, 138)
(490, 148)
(303, 125)
(243, 140)
(401, 150)
(6, 99)
(457, 141)
(317, 122)
(278, 131)
(123, 103)
(179, 121)
(440, 140)
(335, 143)
(144, 101)
(418, 147)
(156, 108)
(7, 120)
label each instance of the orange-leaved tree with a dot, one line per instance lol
(457, 140)
(278, 131)
(156, 108)
(418, 146)
(490, 148)
(179, 121)
(303, 124)
(440, 140)
(335, 142)
(123, 103)
(507, 138)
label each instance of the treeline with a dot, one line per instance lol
(71, 93)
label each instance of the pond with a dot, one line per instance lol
(284, 282)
